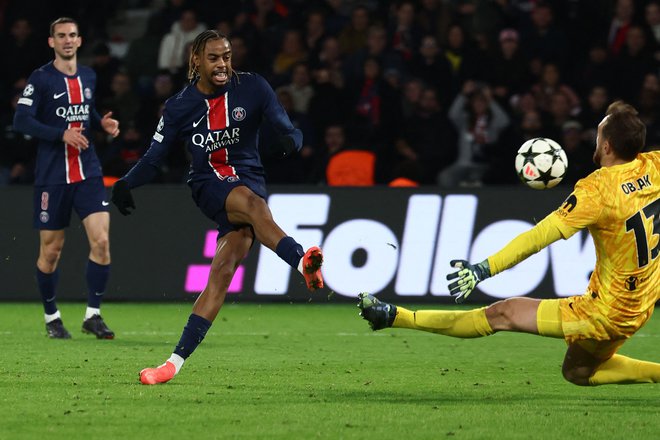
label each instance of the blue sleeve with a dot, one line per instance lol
(275, 114)
(25, 118)
(147, 167)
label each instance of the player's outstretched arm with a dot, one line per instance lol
(469, 275)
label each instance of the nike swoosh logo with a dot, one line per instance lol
(104, 203)
(98, 293)
(50, 299)
(58, 95)
(195, 124)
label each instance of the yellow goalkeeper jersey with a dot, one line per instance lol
(620, 205)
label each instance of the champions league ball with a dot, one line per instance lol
(541, 163)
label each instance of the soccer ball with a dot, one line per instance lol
(541, 163)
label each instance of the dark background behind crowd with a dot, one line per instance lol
(437, 92)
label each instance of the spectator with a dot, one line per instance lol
(544, 40)
(549, 84)
(334, 141)
(649, 109)
(314, 33)
(124, 151)
(624, 12)
(479, 122)
(510, 75)
(635, 60)
(594, 112)
(434, 69)
(412, 92)
(652, 20)
(17, 150)
(579, 152)
(172, 54)
(299, 89)
(354, 36)
(22, 51)
(403, 35)
(106, 66)
(292, 52)
(123, 103)
(427, 138)
(433, 18)
(596, 70)
(375, 48)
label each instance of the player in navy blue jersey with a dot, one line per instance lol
(218, 116)
(57, 107)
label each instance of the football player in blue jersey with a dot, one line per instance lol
(57, 107)
(218, 115)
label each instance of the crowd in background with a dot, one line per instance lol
(433, 92)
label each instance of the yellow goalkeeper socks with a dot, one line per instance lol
(460, 324)
(621, 369)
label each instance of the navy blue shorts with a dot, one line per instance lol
(53, 203)
(210, 195)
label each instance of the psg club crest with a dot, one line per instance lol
(44, 217)
(88, 93)
(29, 89)
(238, 114)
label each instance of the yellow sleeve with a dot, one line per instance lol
(546, 232)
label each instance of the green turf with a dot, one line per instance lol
(300, 372)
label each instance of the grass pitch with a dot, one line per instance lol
(301, 372)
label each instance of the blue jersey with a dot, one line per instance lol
(221, 131)
(53, 102)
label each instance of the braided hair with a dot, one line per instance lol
(198, 46)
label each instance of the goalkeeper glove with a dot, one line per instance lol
(284, 147)
(122, 198)
(469, 275)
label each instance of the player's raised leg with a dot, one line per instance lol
(47, 274)
(513, 314)
(230, 251)
(245, 207)
(97, 226)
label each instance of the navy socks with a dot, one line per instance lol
(47, 282)
(97, 277)
(290, 251)
(193, 334)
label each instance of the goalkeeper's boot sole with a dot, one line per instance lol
(162, 374)
(312, 262)
(96, 326)
(379, 314)
(55, 330)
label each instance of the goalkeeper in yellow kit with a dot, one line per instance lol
(620, 205)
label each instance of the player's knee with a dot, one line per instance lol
(51, 254)
(500, 315)
(576, 375)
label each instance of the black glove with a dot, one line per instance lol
(122, 198)
(469, 275)
(285, 146)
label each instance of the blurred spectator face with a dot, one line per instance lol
(478, 103)
(508, 42)
(163, 85)
(405, 15)
(541, 17)
(188, 21)
(429, 47)
(315, 23)
(598, 98)
(330, 50)
(550, 75)
(651, 82)
(371, 69)
(597, 54)
(428, 101)
(531, 121)
(264, 6)
(360, 19)
(412, 91)
(624, 10)
(527, 103)
(300, 76)
(376, 39)
(652, 14)
(572, 136)
(291, 44)
(21, 30)
(559, 107)
(334, 138)
(224, 27)
(121, 84)
(455, 37)
(635, 39)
